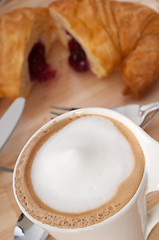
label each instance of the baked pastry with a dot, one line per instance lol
(103, 35)
(79, 23)
(25, 38)
(140, 68)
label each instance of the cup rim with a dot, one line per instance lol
(137, 131)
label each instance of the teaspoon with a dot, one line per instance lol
(26, 230)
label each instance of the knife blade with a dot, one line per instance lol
(10, 119)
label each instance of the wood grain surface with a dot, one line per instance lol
(68, 89)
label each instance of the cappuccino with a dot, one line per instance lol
(79, 171)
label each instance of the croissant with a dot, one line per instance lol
(103, 35)
(25, 39)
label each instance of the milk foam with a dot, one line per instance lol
(81, 167)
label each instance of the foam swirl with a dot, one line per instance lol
(72, 171)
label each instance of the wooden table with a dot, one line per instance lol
(68, 89)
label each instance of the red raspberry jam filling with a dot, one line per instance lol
(77, 58)
(38, 67)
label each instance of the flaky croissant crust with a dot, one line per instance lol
(114, 34)
(19, 31)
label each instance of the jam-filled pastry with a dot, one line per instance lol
(80, 27)
(25, 39)
(103, 35)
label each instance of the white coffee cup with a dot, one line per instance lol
(132, 221)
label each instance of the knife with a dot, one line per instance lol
(10, 119)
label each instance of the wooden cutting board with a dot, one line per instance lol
(68, 89)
